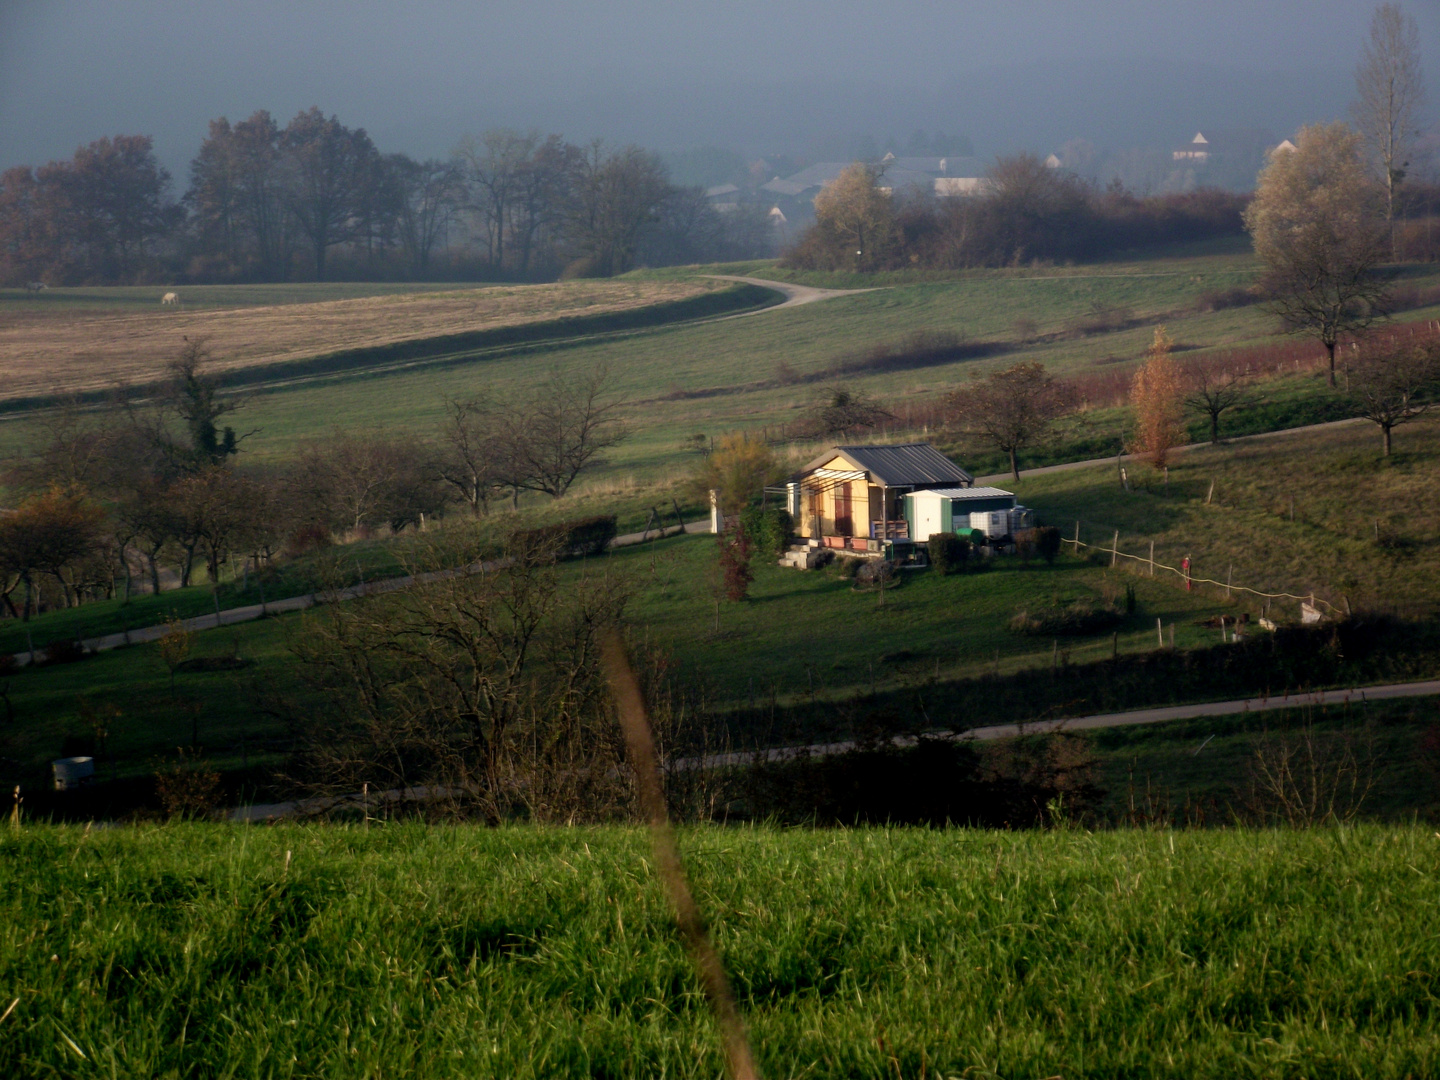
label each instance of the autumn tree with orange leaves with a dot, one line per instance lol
(1157, 394)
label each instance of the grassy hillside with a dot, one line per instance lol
(519, 952)
(1321, 513)
(48, 346)
(811, 637)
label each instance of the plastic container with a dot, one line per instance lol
(72, 772)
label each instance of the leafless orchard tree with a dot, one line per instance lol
(562, 429)
(482, 691)
(1390, 92)
(1012, 409)
(1212, 393)
(472, 451)
(1394, 388)
(839, 410)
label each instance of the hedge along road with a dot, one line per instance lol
(329, 804)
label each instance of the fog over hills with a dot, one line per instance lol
(807, 78)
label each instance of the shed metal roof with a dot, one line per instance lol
(907, 464)
(969, 493)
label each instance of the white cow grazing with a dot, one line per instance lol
(170, 298)
(35, 286)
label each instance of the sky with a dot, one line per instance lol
(761, 77)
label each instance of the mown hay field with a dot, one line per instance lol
(539, 952)
(47, 344)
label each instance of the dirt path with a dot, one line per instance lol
(795, 295)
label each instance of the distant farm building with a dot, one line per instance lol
(853, 497)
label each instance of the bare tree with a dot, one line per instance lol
(472, 452)
(429, 194)
(1315, 221)
(1390, 89)
(493, 166)
(615, 197)
(1306, 778)
(1012, 409)
(840, 410)
(1212, 393)
(1395, 388)
(483, 692)
(563, 429)
(354, 481)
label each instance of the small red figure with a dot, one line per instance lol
(1185, 565)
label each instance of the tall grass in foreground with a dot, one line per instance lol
(525, 952)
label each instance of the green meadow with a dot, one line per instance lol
(195, 950)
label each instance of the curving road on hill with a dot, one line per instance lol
(795, 295)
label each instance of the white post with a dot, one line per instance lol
(717, 519)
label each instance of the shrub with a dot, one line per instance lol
(62, 652)
(583, 536)
(1076, 619)
(875, 572)
(1044, 542)
(767, 530)
(948, 553)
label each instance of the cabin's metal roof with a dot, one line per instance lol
(969, 493)
(905, 465)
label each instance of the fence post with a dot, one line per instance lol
(1159, 633)
(1115, 548)
(1228, 574)
(1077, 538)
(1152, 558)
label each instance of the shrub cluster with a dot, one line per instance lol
(767, 531)
(582, 536)
(1075, 619)
(948, 552)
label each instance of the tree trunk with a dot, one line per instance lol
(154, 573)
(320, 246)
(1215, 428)
(1014, 463)
(1330, 349)
(1385, 430)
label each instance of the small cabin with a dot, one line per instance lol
(854, 496)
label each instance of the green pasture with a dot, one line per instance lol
(812, 637)
(193, 950)
(1199, 771)
(763, 369)
(1365, 529)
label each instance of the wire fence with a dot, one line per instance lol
(1183, 572)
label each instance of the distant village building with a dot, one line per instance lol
(943, 177)
(1224, 158)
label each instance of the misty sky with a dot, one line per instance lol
(760, 77)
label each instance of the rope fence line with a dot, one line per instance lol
(1184, 574)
